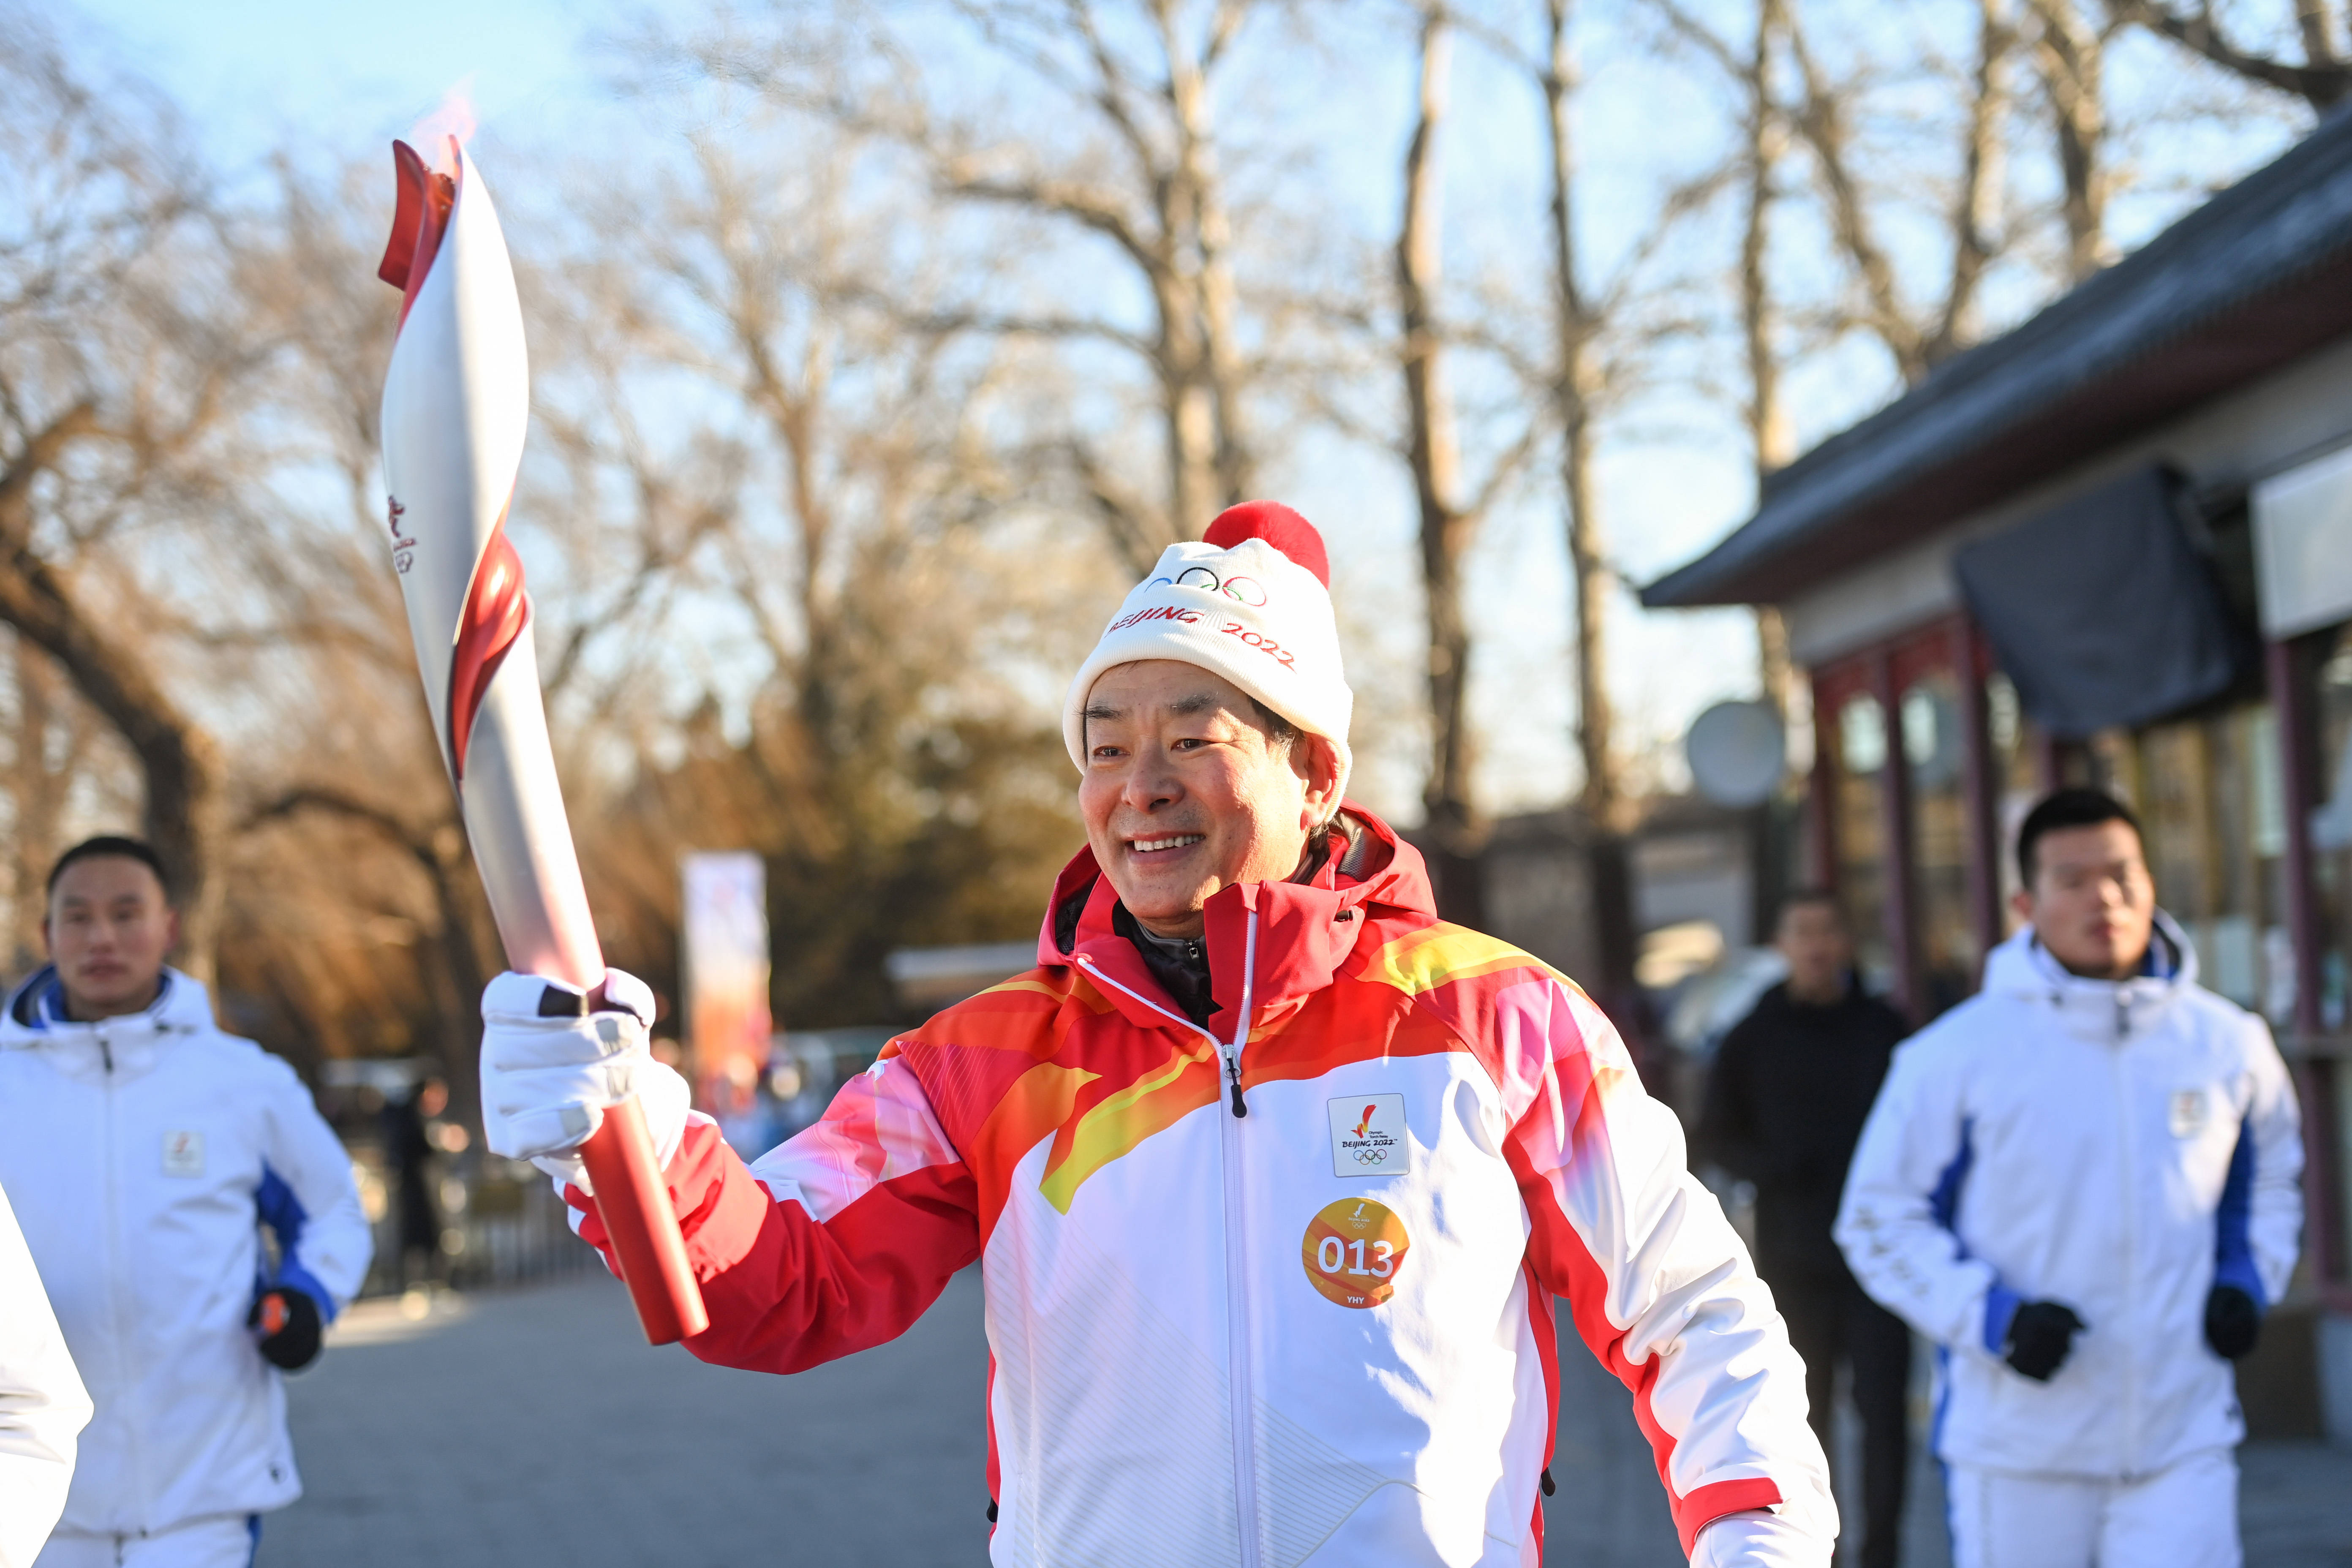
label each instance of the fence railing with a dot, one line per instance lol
(491, 1222)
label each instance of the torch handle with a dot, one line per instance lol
(644, 1226)
(544, 925)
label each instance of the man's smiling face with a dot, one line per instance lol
(1188, 790)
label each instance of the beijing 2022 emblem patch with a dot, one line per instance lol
(1368, 1137)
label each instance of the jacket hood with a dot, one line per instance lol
(36, 1011)
(1303, 931)
(2023, 968)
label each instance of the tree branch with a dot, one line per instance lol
(2321, 84)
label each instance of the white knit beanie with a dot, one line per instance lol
(1252, 602)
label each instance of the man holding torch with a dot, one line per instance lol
(1274, 1177)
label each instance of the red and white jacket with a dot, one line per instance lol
(1320, 1330)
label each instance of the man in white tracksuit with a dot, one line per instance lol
(2082, 1184)
(145, 1151)
(42, 1403)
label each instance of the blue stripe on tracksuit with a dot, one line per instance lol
(1944, 1203)
(282, 1212)
(2234, 1252)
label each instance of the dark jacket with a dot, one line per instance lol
(1791, 1085)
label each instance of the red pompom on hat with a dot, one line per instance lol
(1250, 602)
(1278, 526)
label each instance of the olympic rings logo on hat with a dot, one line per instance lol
(1245, 589)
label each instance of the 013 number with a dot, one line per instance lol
(1334, 1256)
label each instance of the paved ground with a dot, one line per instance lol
(533, 1427)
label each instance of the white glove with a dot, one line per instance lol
(550, 1067)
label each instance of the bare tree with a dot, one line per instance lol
(113, 386)
(1450, 512)
(2322, 79)
(2070, 56)
(1771, 438)
(1575, 384)
(846, 517)
(1434, 450)
(1918, 337)
(1822, 112)
(1128, 161)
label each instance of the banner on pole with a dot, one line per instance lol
(725, 932)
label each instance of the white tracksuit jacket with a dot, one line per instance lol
(42, 1403)
(2118, 1147)
(143, 1155)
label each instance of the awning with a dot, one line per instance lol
(2102, 611)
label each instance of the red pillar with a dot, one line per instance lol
(1894, 810)
(2299, 791)
(1820, 797)
(2299, 769)
(1980, 790)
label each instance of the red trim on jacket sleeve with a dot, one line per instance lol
(786, 1293)
(1559, 1256)
(1572, 1072)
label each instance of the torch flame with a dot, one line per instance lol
(452, 121)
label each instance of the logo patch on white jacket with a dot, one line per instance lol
(2188, 1113)
(184, 1153)
(1368, 1135)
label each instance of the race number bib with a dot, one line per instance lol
(1353, 1251)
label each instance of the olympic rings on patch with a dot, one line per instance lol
(1245, 590)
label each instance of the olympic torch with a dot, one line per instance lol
(456, 400)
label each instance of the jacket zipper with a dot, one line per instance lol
(1239, 1378)
(2129, 1165)
(1238, 1257)
(110, 1196)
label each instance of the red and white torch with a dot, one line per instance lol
(456, 400)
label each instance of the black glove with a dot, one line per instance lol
(2232, 1322)
(287, 1322)
(2040, 1335)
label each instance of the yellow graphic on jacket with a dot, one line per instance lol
(1422, 960)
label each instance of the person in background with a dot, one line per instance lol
(145, 1150)
(2083, 1185)
(1786, 1098)
(408, 1147)
(43, 1404)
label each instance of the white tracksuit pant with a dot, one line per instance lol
(224, 1540)
(2183, 1516)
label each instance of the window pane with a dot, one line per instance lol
(1932, 753)
(1862, 836)
(2331, 828)
(2207, 791)
(2017, 781)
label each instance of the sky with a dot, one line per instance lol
(253, 74)
(257, 75)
